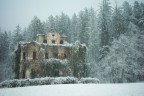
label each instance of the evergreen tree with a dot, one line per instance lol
(0, 45)
(57, 23)
(124, 62)
(5, 64)
(64, 25)
(141, 20)
(127, 11)
(142, 8)
(25, 34)
(118, 22)
(50, 24)
(17, 35)
(105, 27)
(137, 12)
(84, 26)
(35, 27)
(74, 28)
(105, 22)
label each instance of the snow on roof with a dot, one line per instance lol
(22, 42)
(57, 61)
(40, 34)
(65, 44)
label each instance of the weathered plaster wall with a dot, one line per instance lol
(50, 37)
(40, 38)
(31, 67)
(53, 36)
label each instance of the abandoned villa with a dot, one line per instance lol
(50, 55)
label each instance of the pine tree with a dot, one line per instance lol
(141, 20)
(127, 11)
(74, 28)
(105, 27)
(35, 27)
(50, 23)
(84, 26)
(64, 25)
(105, 22)
(5, 64)
(142, 8)
(1, 45)
(119, 23)
(137, 10)
(17, 35)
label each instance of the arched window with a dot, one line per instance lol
(34, 55)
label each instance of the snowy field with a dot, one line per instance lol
(129, 89)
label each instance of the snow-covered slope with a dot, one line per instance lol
(129, 89)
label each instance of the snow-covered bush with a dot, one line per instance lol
(65, 80)
(38, 81)
(45, 81)
(10, 83)
(89, 80)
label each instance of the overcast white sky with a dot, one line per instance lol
(14, 12)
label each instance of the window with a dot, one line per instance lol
(23, 74)
(65, 56)
(34, 55)
(61, 41)
(46, 55)
(45, 41)
(53, 41)
(55, 55)
(53, 35)
(24, 56)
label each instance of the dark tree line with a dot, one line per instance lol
(113, 36)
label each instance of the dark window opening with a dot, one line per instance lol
(44, 41)
(53, 41)
(23, 74)
(53, 35)
(61, 41)
(24, 56)
(65, 56)
(46, 55)
(55, 55)
(34, 55)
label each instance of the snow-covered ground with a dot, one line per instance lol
(129, 89)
